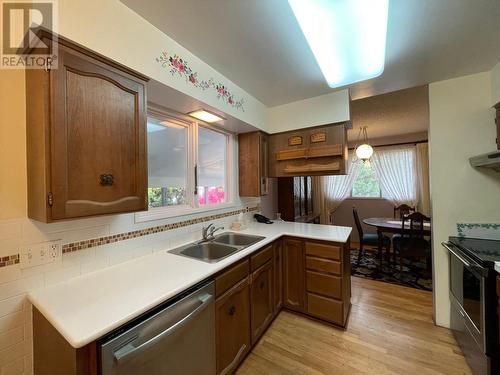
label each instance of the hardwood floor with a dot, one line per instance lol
(390, 331)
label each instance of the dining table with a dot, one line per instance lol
(392, 225)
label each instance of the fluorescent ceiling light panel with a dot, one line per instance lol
(347, 37)
(205, 115)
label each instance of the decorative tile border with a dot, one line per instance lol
(479, 230)
(94, 242)
(9, 260)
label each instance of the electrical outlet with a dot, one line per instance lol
(41, 253)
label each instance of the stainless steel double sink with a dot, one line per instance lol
(218, 248)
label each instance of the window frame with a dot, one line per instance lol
(192, 206)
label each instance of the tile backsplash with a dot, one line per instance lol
(88, 245)
(479, 230)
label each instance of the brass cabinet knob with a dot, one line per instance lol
(107, 179)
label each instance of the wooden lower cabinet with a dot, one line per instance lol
(328, 281)
(310, 277)
(261, 299)
(232, 314)
(278, 277)
(293, 275)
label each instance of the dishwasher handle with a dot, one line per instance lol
(128, 350)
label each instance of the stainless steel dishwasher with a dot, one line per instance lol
(178, 339)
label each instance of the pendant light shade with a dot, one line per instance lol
(364, 151)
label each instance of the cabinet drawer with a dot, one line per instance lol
(323, 265)
(323, 250)
(325, 308)
(229, 278)
(330, 286)
(262, 257)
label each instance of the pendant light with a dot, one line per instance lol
(364, 151)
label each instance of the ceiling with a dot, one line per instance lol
(258, 44)
(403, 113)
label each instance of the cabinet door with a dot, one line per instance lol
(263, 170)
(261, 300)
(98, 138)
(232, 313)
(293, 275)
(278, 277)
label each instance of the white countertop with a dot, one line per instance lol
(497, 267)
(87, 307)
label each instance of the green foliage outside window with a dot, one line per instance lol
(167, 196)
(366, 183)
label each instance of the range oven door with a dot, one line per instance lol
(467, 292)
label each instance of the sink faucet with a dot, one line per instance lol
(208, 232)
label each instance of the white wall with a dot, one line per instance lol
(495, 85)
(461, 125)
(367, 207)
(112, 29)
(320, 110)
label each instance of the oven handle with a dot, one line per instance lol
(464, 261)
(475, 268)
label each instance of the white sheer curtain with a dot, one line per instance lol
(330, 191)
(396, 171)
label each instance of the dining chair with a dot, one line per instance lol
(412, 242)
(368, 239)
(402, 210)
(399, 213)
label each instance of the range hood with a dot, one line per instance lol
(489, 160)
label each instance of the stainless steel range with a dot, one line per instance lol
(473, 299)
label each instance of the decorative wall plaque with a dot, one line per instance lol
(295, 141)
(318, 137)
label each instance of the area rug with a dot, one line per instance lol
(413, 274)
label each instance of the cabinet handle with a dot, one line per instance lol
(232, 310)
(107, 179)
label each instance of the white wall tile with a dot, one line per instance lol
(11, 321)
(14, 368)
(10, 273)
(11, 305)
(16, 341)
(61, 274)
(11, 337)
(15, 351)
(20, 286)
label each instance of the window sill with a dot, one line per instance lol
(170, 212)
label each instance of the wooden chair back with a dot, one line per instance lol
(416, 221)
(402, 210)
(357, 222)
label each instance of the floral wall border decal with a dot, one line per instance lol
(180, 67)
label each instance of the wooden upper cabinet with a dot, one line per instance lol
(253, 164)
(293, 275)
(86, 125)
(316, 151)
(497, 122)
